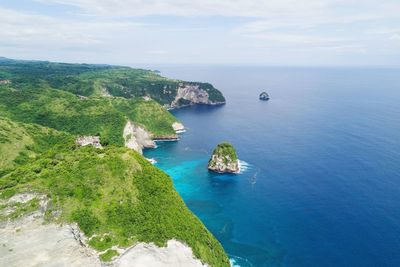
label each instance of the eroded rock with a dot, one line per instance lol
(89, 141)
(137, 138)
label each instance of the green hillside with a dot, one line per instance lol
(112, 192)
(97, 80)
(84, 116)
(21, 142)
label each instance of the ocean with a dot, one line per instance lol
(320, 183)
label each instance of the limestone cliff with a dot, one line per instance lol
(178, 127)
(29, 240)
(190, 94)
(137, 138)
(224, 159)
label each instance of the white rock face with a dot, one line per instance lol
(104, 92)
(89, 141)
(29, 242)
(137, 138)
(38, 244)
(175, 254)
(178, 127)
(223, 164)
(193, 94)
(22, 198)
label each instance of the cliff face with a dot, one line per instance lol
(224, 159)
(137, 138)
(191, 94)
(30, 240)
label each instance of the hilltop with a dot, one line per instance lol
(106, 80)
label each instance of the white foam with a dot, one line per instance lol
(244, 166)
(233, 263)
(152, 160)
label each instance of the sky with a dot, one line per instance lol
(227, 32)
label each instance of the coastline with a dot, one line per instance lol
(168, 107)
(166, 139)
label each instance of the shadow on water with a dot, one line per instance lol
(198, 109)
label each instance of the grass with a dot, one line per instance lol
(105, 117)
(115, 193)
(20, 209)
(13, 140)
(107, 256)
(226, 151)
(101, 243)
(95, 80)
(21, 142)
(24, 208)
(148, 113)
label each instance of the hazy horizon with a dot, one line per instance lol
(329, 33)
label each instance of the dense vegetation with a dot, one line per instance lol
(84, 116)
(115, 195)
(97, 80)
(226, 151)
(21, 142)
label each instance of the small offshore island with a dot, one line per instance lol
(224, 159)
(264, 96)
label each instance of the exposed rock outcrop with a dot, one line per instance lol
(190, 94)
(178, 127)
(174, 254)
(29, 241)
(264, 96)
(5, 82)
(224, 159)
(104, 92)
(89, 141)
(137, 138)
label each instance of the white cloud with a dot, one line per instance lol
(18, 27)
(334, 10)
(157, 52)
(395, 37)
(244, 8)
(204, 30)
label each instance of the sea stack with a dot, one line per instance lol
(224, 159)
(264, 96)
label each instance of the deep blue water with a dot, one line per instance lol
(322, 186)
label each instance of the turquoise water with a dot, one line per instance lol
(321, 185)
